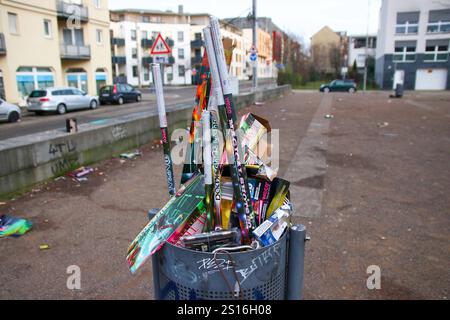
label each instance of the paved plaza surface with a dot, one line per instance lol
(370, 183)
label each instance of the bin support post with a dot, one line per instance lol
(155, 270)
(155, 263)
(296, 255)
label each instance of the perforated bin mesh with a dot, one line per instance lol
(272, 290)
(192, 275)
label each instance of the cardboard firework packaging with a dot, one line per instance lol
(164, 129)
(169, 220)
(278, 193)
(221, 81)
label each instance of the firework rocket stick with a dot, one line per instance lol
(221, 81)
(215, 149)
(163, 125)
(206, 123)
(201, 100)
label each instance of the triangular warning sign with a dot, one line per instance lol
(160, 46)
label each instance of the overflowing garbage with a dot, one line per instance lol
(231, 198)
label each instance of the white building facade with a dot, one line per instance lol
(413, 45)
(132, 42)
(358, 49)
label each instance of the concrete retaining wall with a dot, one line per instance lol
(27, 160)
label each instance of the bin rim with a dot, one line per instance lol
(233, 254)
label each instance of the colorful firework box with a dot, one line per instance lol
(168, 222)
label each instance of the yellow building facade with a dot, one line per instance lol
(53, 43)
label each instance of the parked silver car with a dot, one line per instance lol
(9, 112)
(60, 100)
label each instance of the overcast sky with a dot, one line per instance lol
(303, 17)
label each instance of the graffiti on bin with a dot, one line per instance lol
(259, 261)
(211, 265)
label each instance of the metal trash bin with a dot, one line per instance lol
(399, 90)
(261, 274)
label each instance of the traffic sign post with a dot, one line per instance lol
(160, 52)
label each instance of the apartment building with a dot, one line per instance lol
(358, 47)
(265, 44)
(329, 50)
(133, 35)
(413, 45)
(53, 43)
(134, 31)
(231, 35)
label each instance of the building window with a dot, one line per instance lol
(133, 35)
(180, 36)
(97, 3)
(77, 78)
(169, 76)
(135, 71)
(144, 34)
(134, 53)
(180, 53)
(99, 36)
(436, 50)
(181, 71)
(13, 24)
(155, 34)
(145, 19)
(439, 21)
(32, 78)
(146, 74)
(47, 28)
(407, 23)
(405, 51)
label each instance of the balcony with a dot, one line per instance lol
(75, 52)
(2, 44)
(170, 42)
(196, 60)
(146, 43)
(120, 42)
(67, 10)
(147, 60)
(197, 43)
(119, 60)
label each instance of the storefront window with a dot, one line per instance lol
(31, 78)
(77, 80)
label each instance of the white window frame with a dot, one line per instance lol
(407, 25)
(435, 53)
(181, 57)
(50, 29)
(439, 24)
(16, 24)
(99, 36)
(404, 53)
(182, 36)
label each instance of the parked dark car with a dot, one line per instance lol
(346, 85)
(119, 93)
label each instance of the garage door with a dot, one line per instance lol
(431, 79)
